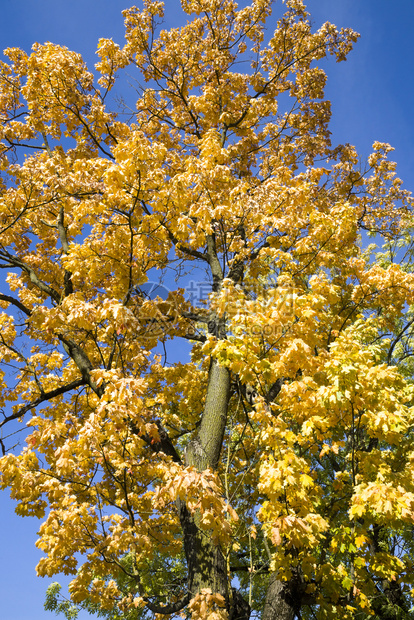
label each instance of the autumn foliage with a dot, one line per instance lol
(272, 473)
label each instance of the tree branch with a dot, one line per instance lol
(46, 396)
(213, 261)
(15, 302)
(168, 609)
(14, 261)
(164, 444)
(82, 361)
(184, 249)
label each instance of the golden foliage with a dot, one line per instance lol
(225, 165)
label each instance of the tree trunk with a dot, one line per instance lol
(281, 602)
(213, 422)
(240, 608)
(205, 560)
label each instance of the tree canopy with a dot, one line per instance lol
(270, 475)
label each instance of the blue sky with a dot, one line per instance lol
(373, 99)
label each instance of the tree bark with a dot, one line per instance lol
(240, 608)
(205, 451)
(282, 601)
(205, 560)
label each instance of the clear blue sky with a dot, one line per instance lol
(373, 99)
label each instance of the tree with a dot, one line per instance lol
(273, 472)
